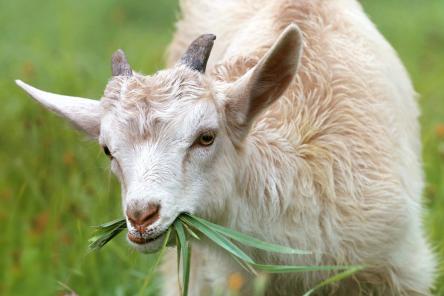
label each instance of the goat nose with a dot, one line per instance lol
(142, 219)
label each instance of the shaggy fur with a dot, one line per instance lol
(334, 165)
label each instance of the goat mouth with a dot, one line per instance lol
(140, 240)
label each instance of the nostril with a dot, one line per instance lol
(150, 215)
(133, 216)
(141, 219)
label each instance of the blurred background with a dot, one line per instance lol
(55, 184)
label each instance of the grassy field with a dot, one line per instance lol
(54, 183)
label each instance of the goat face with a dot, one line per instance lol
(168, 147)
(173, 138)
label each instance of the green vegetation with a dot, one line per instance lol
(54, 183)
(185, 228)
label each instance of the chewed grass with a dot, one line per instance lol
(106, 232)
(187, 228)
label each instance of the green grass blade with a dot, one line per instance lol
(185, 254)
(220, 240)
(111, 224)
(191, 232)
(150, 275)
(245, 265)
(249, 240)
(269, 268)
(178, 250)
(336, 278)
(221, 236)
(178, 226)
(98, 241)
(106, 232)
(186, 261)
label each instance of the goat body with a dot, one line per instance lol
(334, 165)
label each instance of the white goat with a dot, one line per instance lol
(303, 132)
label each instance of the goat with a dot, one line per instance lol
(301, 129)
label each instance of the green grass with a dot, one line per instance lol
(186, 226)
(54, 183)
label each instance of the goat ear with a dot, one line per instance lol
(264, 83)
(83, 113)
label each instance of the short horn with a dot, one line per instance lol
(119, 64)
(197, 54)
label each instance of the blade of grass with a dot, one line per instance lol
(112, 224)
(178, 250)
(191, 232)
(185, 253)
(220, 240)
(337, 277)
(249, 240)
(150, 275)
(221, 236)
(245, 265)
(269, 268)
(105, 232)
(186, 261)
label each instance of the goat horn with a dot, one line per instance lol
(197, 54)
(119, 64)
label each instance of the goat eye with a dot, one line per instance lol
(206, 139)
(107, 152)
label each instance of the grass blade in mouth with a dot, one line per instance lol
(185, 251)
(245, 265)
(106, 232)
(191, 232)
(269, 268)
(217, 238)
(111, 224)
(150, 275)
(336, 278)
(221, 236)
(248, 240)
